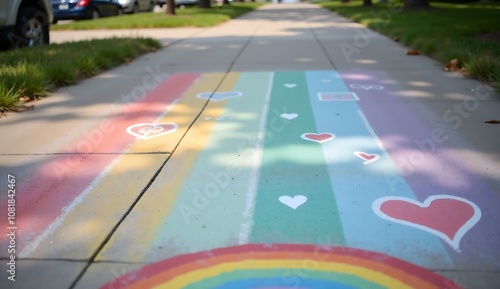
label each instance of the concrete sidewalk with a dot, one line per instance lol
(342, 160)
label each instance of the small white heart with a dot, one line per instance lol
(208, 118)
(290, 85)
(289, 116)
(293, 202)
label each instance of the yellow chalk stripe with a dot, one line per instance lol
(156, 205)
(183, 112)
(343, 268)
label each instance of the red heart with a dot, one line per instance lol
(448, 217)
(367, 157)
(318, 137)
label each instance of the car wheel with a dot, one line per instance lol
(32, 28)
(95, 14)
(135, 9)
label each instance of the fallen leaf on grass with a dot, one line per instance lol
(413, 52)
(452, 65)
(492, 121)
(24, 99)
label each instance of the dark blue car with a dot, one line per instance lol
(84, 9)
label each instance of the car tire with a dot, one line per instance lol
(4, 45)
(32, 28)
(95, 14)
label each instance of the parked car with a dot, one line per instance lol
(177, 2)
(24, 22)
(135, 6)
(84, 9)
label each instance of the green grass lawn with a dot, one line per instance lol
(449, 31)
(30, 73)
(188, 17)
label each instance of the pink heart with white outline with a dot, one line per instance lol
(151, 130)
(445, 216)
(368, 158)
(317, 137)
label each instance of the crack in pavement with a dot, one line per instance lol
(153, 178)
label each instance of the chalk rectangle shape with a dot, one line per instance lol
(337, 96)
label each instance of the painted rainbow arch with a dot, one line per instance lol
(280, 266)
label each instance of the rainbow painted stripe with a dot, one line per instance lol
(266, 266)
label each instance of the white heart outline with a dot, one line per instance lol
(237, 94)
(455, 242)
(290, 85)
(366, 162)
(303, 136)
(133, 133)
(289, 116)
(293, 202)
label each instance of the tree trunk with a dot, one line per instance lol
(226, 2)
(170, 7)
(204, 4)
(416, 4)
(367, 3)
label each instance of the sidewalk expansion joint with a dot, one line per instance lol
(117, 225)
(323, 48)
(129, 210)
(47, 259)
(218, 85)
(70, 153)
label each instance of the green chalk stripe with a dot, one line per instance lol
(292, 166)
